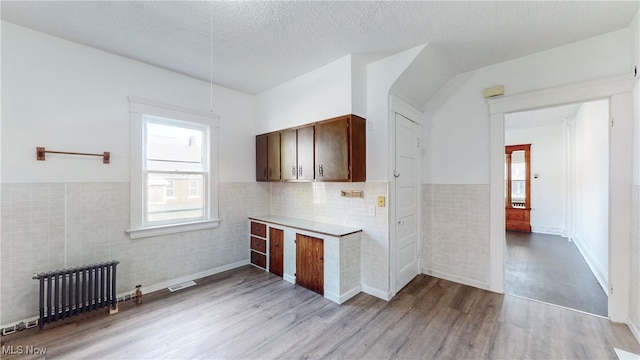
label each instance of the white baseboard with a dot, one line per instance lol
(350, 293)
(547, 230)
(289, 278)
(456, 278)
(199, 275)
(159, 286)
(384, 295)
(634, 330)
(600, 276)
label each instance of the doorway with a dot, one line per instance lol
(618, 89)
(564, 260)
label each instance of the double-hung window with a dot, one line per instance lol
(173, 169)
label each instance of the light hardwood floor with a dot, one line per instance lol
(250, 314)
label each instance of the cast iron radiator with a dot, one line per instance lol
(68, 292)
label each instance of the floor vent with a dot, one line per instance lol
(181, 286)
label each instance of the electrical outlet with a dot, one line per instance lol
(380, 201)
(372, 210)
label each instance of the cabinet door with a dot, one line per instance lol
(261, 158)
(305, 153)
(310, 263)
(273, 153)
(276, 253)
(332, 150)
(289, 154)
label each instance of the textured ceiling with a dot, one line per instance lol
(541, 117)
(254, 46)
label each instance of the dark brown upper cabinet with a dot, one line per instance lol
(297, 154)
(329, 150)
(262, 166)
(273, 154)
(341, 149)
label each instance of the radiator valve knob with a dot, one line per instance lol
(138, 295)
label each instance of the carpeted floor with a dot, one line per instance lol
(549, 268)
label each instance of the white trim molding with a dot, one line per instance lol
(617, 89)
(138, 108)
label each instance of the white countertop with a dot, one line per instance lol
(312, 226)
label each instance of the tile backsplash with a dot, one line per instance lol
(321, 201)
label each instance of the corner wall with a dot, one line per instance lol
(72, 211)
(461, 144)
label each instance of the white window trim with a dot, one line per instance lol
(138, 107)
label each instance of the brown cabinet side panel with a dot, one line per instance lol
(310, 263)
(276, 246)
(358, 149)
(332, 150)
(261, 158)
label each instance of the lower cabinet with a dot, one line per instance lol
(258, 244)
(276, 251)
(310, 263)
(326, 264)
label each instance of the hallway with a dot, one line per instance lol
(549, 268)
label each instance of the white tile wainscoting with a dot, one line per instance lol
(455, 231)
(49, 226)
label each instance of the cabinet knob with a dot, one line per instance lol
(293, 170)
(300, 170)
(321, 170)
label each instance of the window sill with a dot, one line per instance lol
(172, 229)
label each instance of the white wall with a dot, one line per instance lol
(69, 97)
(72, 211)
(320, 94)
(461, 142)
(634, 299)
(458, 115)
(591, 186)
(547, 161)
(381, 75)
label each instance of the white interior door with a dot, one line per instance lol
(406, 191)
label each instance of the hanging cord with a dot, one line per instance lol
(211, 53)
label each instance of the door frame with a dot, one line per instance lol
(618, 90)
(398, 106)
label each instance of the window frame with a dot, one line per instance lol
(138, 109)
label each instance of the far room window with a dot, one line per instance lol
(174, 161)
(193, 188)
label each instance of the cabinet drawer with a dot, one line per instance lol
(258, 229)
(259, 259)
(258, 244)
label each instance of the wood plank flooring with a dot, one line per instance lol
(551, 269)
(247, 313)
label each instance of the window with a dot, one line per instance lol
(173, 169)
(193, 188)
